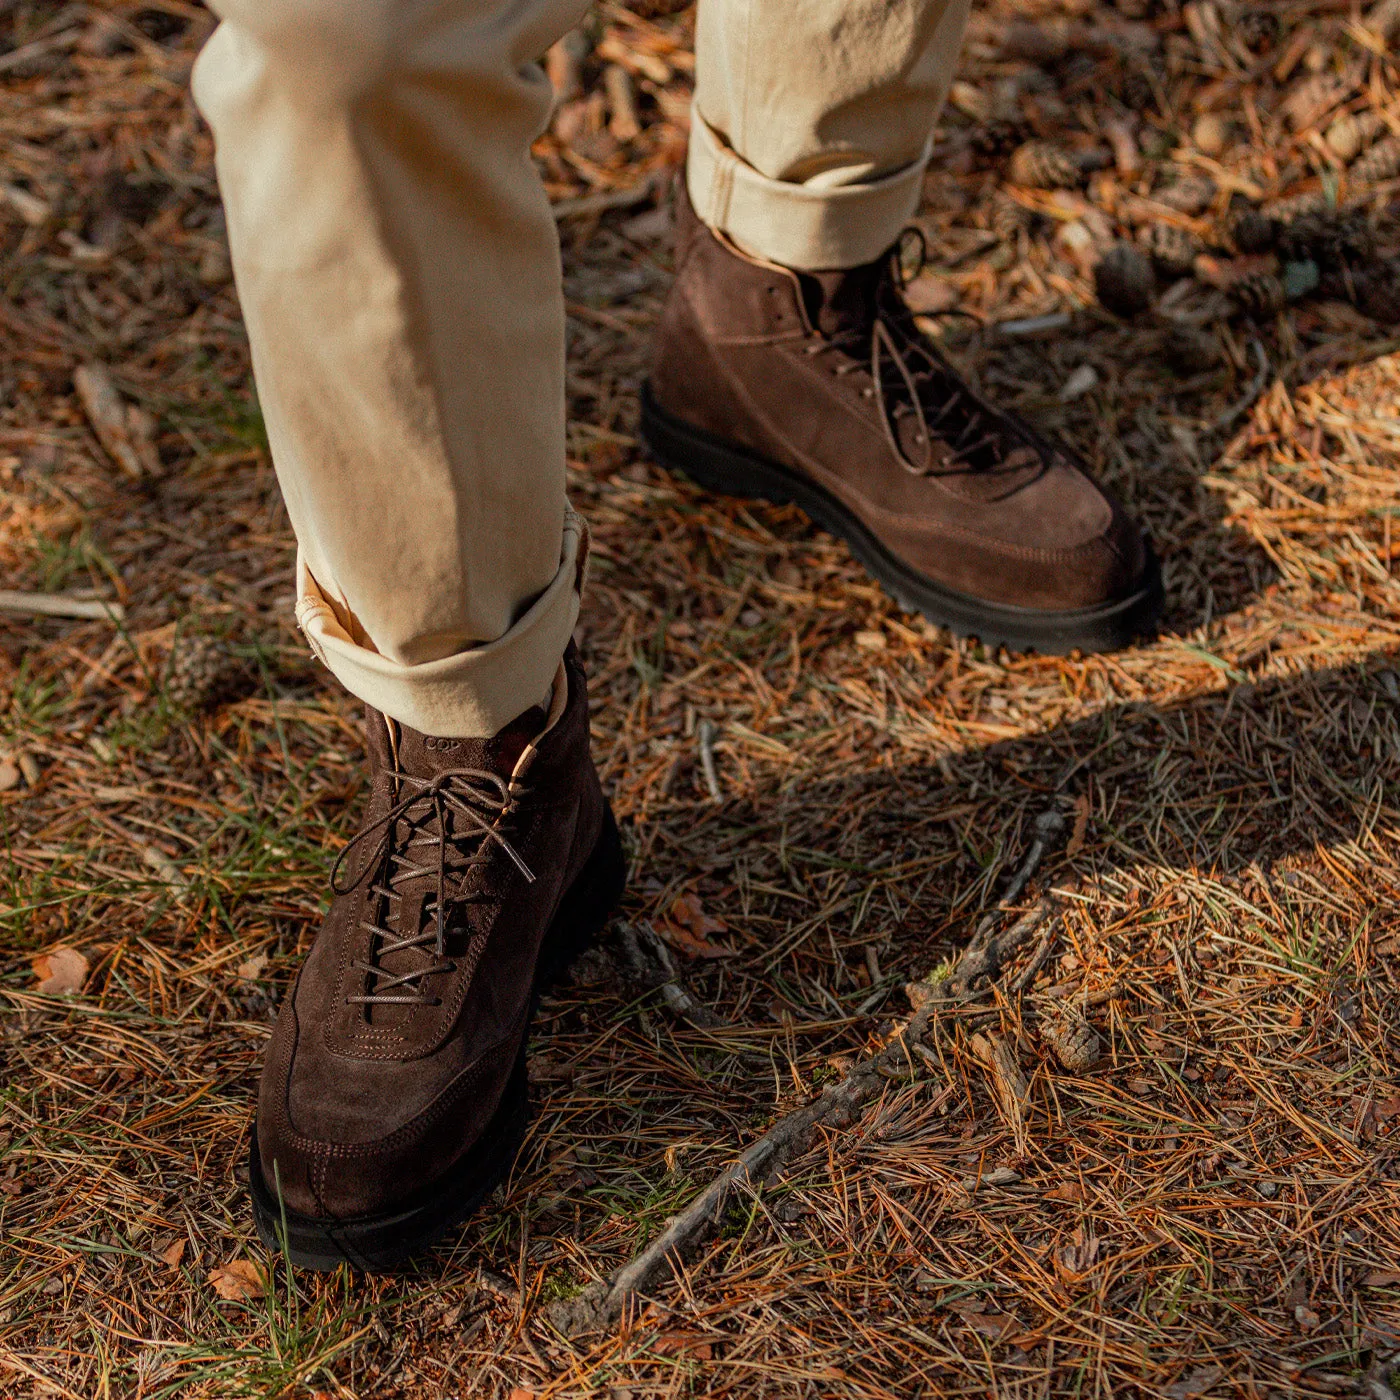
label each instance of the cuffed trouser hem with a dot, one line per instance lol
(472, 694)
(807, 227)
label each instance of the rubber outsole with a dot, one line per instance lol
(386, 1241)
(728, 470)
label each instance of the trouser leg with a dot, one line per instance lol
(398, 268)
(813, 119)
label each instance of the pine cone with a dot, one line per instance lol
(1330, 240)
(1297, 205)
(1352, 132)
(1136, 90)
(1123, 281)
(1189, 351)
(1381, 162)
(995, 139)
(1258, 295)
(1009, 219)
(201, 673)
(1042, 165)
(1256, 232)
(1172, 249)
(1074, 1042)
(1189, 195)
(1257, 30)
(1378, 293)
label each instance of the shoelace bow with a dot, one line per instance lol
(475, 796)
(966, 426)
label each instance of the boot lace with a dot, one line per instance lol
(443, 828)
(910, 377)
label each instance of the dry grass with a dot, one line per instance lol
(1213, 1209)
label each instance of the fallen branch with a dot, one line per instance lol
(838, 1104)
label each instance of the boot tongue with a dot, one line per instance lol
(424, 756)
(844, 300)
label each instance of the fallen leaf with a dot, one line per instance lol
(174, 1252)
(520, 1393)
(687, 910)
(687, 928)
(60, 971)
(1307, 1318)
(1387, 1108)
(1382, 1278)
(1075, 844)
(251, 970)
(11, 1186)
(1070, 1191)
(237, 1280)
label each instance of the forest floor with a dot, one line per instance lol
(1209, 1208)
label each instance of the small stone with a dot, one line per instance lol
(9, 775)
(1085, 378)
(1210, 134)
(1124, 282)
(1173, 249)
(1042, 165)
(1300, 278)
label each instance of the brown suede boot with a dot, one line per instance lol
(393, 1096)
(819, 389)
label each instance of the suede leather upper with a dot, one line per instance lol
(363, 1103)
(775, 362)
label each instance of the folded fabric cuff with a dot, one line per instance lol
(805, 227)
(472, 694)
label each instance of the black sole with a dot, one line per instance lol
(380, 1243)
(728, 470)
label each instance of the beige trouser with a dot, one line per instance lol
(398, 267)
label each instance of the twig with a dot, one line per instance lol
(1251, 395)
(647, 956)
(605, 1302)
(1038, 959)
(705, 733)
(59, 605)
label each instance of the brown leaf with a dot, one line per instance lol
(237, 1280)
(174, 1252)
(1070, 1191)
(520, 1393)
(1388, 1108)
(1308, 1320)
(1382, 1278)
(60, 971)
(687, 927)
(254, 968)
